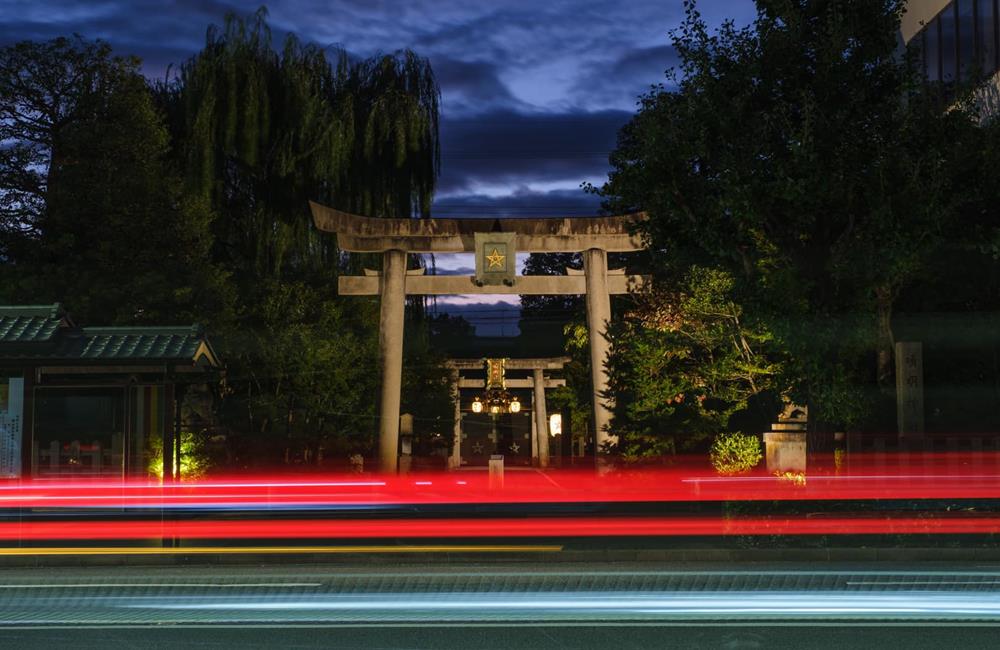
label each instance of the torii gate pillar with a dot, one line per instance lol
(391, 318)
(595, 268)
(541, 416)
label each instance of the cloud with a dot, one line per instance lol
(506, 147)
(471, 87)
(617, 83)
(519, 203)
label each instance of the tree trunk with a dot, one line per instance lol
(885, 344)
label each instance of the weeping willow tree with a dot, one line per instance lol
(260, 130)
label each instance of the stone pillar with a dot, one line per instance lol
(456, 448)
(541, 417)
(785, 444)
(496, 471)
(392, 292)
(595, 267)
(405, 443)
(910, 391)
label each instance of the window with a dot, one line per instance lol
(949, 44)
(78, 431)
(962, 41)
(987, 33)
(932, 51)
(965, 10)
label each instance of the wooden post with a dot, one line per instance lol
(28, 425)
(168, 435)
(179, 390)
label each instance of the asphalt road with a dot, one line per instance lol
(503, 605)
(863, 637)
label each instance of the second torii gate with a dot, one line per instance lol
(537, 382)
(594, 237)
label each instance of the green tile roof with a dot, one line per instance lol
(30, 323)
(45, 334)
(132, 343)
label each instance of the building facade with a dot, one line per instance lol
(957, 39)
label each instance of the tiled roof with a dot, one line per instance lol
(30, 323)
(132, 343)
(45, 334)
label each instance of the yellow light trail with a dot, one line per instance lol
(272, 550)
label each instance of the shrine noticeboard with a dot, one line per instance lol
(11, 425)
(496, 259)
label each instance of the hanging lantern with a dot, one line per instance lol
(496, 400)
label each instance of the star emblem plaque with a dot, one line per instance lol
(496, 261)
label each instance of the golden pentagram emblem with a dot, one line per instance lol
(496, 259)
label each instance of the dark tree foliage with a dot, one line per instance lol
(802, 156)
(262, 130)
(548, 307)
(43, 89)
(685, 366)
(100, 220)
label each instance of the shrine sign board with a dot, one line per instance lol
(496, 258)
(910, 389)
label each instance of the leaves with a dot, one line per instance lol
(735, 453)
(683, 363)
(803, 157)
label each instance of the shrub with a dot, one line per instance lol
(735, 453)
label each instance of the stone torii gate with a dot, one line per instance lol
(537, 382)
(495, 243)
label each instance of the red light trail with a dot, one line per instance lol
(404, 506)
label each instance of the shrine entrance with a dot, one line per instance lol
(523, 435)
(495, 243)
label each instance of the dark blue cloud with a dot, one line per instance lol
(472, 87)
(481, 153)
(520, 202)
(622, 80)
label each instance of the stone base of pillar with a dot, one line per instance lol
(785, 451)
